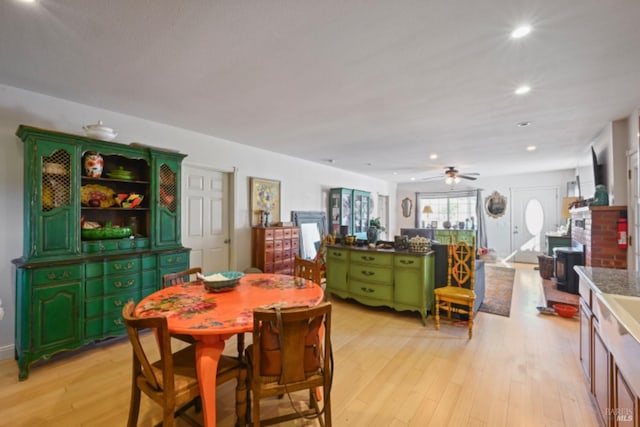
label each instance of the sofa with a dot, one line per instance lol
(442, 261)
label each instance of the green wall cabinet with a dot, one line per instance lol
(71, 286)
(400, 280)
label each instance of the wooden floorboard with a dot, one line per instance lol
(520, 370)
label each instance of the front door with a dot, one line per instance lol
(534, 212)
(205, 207)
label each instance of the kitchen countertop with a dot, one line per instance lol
(610, 280)
(616, 303)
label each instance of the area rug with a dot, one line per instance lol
(498, 289)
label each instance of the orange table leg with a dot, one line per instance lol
(208, 352)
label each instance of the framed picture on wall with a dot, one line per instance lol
(265, 201)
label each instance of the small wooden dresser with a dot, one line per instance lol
(274, 248)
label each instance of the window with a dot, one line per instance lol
(455, 208)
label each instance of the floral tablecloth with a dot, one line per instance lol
(190, 308)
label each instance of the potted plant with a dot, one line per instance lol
(375, 226)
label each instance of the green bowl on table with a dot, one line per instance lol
(221, 281)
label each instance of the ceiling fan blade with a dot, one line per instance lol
(472, 178)
(432, 178)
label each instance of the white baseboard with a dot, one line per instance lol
(7, 352)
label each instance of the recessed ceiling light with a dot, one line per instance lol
(524, 124)
(522, 90)
(531, 148)
(433, 156)
(520, 32)
(413, 179)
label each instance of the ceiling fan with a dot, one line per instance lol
(453, 176)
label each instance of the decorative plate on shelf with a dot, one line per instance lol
(98, 196)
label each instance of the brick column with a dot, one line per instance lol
(596, 228)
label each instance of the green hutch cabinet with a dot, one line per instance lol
(350, 208)
(73, 280)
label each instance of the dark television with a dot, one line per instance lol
(597, 169)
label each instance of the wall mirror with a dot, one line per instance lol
(406, 205)
(495, 205)
(313, 226)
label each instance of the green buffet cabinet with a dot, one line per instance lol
(71, 285)
(401, 280)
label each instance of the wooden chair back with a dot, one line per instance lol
(170, 381)
(293, 328)
(172, 279)
(458, 296)
(462, 264)
(307, 269)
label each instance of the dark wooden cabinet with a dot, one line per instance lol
(274, 248)
(70, 287)
(600, 379)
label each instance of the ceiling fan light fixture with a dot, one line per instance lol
(521, 31)
(524, 89)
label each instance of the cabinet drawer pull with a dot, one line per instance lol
(133, 245)
(337, 254)
(367, 273)
(102, 247)
(367, 258)
(64, 275)
(119, 284)
(119, 266)
(406, 262)
(367, 290)
(117, 303)
(118, 322)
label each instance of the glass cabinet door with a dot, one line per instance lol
(340, 210)
(360, 213)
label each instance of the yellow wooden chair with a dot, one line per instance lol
(455, 297)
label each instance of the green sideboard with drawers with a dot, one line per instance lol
(401, 280)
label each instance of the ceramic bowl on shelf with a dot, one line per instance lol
(100, 131)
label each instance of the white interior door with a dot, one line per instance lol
(205, 207)
(534, 211)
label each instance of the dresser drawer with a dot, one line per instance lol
(110, 325)
(338, 254)
(96, 307)
(178, 259)
(408, 261)
(42, 276)
(369, 273)
(372, 258)
(369, 290)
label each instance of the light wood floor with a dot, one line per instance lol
(522, 370)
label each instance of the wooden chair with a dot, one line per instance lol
(307, 269)
(455, 297)
(172, 380)
(185, 276)
(300, 330)
(180, 277)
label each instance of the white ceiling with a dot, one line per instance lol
(377, 86)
